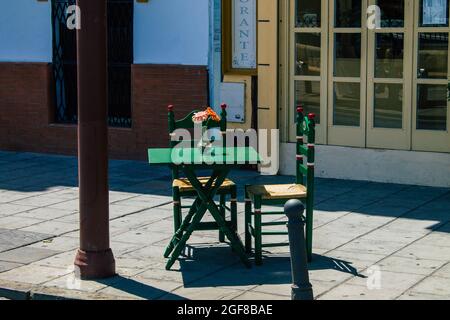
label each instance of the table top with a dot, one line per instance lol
(203, 156)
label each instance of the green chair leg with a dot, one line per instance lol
(309, 228)
(248, 222)
(258, 232)
(177, 215)
(233, 207)
(222, 214)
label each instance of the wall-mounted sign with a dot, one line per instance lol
(233, 94)
(434, 12)
(244, 34)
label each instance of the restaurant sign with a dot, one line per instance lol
(244, 34)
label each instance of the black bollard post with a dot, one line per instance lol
(301, 287)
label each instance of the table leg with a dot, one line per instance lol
(207, 199)
(185, 224)
(179, 247)
(223, 215)
(198, 214)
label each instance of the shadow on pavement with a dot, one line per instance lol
(139, 289)
(222, 268)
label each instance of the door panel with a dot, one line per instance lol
(430, 114)
(347, 73)
(308, 63)
(389, 73)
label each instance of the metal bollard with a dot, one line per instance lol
(301, 287)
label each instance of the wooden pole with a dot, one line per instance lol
(94, 258)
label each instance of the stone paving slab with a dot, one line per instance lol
(410, 265)
(420, 251)
(10, 239)
(8, 209)
(5, 266)
(51, 227)
(34, 274)
(46, 213)
(13, 290)
(443, 272)
(411, 295)
(61, 244)
(359, 227)
(63, 260)
(355, 292)
(434, 286)
(16, 222)
(25, 255)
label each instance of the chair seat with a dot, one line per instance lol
(184, 185)
(278, 191)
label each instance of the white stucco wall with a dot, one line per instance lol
(392, 166)
(165, 31)
(172, 32)
(25, 31)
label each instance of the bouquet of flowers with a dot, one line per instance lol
(203, 116)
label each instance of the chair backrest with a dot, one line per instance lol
(187, 123)
(306, 127)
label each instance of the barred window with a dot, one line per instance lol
(120, 58)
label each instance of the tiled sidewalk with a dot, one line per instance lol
(362, 230)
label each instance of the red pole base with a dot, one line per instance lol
(95, 264)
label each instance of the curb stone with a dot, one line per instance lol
(22, 291)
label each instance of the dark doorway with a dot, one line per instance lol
(120, 59)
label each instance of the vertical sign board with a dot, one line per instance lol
(233, 94)
(244, 34)
(215, 53)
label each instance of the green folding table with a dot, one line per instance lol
(220, 161)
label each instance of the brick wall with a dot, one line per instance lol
(26, 108)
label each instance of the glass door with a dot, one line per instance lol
(383, 87)
(308, 80)
(389, 59)
(431, 116)
(347, 73)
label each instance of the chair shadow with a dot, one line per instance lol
(275, 269)
(139, 289)
(335, 264)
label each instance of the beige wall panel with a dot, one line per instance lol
(267, 43)
(267, 63)
(267, 98)
(268, 75)
(267, 9)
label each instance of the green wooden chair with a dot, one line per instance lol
(181, 187)
(303, 189)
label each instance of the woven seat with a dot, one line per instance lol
(278, 191)
(184, 185)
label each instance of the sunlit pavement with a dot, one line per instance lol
(371, 240)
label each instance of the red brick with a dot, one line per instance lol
(26, 104)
